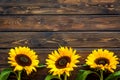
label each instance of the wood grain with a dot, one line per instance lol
(44, 25)
(55, 39)
(59, 7)
(55, 1)
(60, 23)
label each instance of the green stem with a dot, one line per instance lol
(60, 78)
(19, 75)
(101, 74)
(65, 77)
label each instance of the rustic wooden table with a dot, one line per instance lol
(44, 25)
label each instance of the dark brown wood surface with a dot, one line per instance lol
(44, 25)
(59, 22)
(59, 7)
(55, 39)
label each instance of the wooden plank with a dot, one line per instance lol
(60, 7)
(55, 39)
(59, 22)
(55, 1)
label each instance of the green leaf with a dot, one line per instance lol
(49, 77)
(113, 76)
(84, 65)
(41, 65)
(82, 75)
(5, 73)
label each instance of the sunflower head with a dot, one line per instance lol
(23, 58)
(102, 59)
(62, 61)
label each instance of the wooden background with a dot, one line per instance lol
(44, 25)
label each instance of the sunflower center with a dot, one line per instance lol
(23, 60)
(62, 62)
(102, 61)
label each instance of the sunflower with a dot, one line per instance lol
(62, 61)
(22, 58)
(102, 59)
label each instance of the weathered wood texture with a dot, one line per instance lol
(59, 23)
(44, 25)
(55, 39)
(59, 7)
